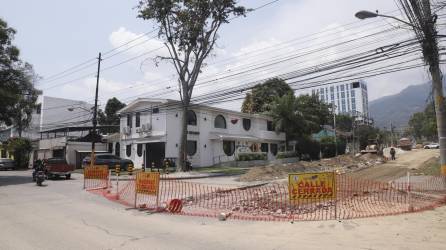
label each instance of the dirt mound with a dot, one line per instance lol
(369, 156)
(340, 164)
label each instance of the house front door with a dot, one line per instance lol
(155, 152)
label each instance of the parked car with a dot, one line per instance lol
(6, 164)
(110, 160)
(56, 167)
(431, 146)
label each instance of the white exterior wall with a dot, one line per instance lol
(333, 93)
(55, 113)
(72, 147)
(166, 127)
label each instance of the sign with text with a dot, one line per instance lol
(96, 172)
(307, 186)
(147, 183)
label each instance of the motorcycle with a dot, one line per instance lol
(39, 174)
(40, 177)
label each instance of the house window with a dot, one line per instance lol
(269, 126)
(229, 147)
(246, 124)
(191, 118)
(129, 120)
(137, 119)
(128, 150)
(117, 149)
(191, 148)
(264, 147)
(274, 148)
(220, 122)
(139, 149)
(155, 110)
(110, 147)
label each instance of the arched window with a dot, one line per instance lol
(274, 148)
(139, 149)
(191, 148)
(246, 124)
(229, 147)
(191, 118)
(128, 150)
(117, 149)
(220, 122)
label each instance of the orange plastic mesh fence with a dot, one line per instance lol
(96, 177)
(354, 199)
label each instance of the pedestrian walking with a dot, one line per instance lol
(392, 153)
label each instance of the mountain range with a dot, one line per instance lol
(399, 108)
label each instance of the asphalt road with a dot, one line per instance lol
(62, 216)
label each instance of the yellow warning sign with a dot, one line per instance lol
(147, 183)
(96, 172)
(312, 186)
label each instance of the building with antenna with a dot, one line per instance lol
(150, 132)
(347, 98)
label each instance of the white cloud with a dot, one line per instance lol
(142, 44)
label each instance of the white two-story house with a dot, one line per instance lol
(151, 128)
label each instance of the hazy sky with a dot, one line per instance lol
(55, 35)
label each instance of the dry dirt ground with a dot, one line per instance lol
(411, 161)
(366, 166)
(341, 164)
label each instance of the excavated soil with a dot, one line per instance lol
(340, 164)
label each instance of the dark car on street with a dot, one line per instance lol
(6, 164)
(110, 160)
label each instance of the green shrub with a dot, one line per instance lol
(21, 148)
(251, 156)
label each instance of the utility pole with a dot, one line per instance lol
(95, 112)
(334, 127)
(432, 57)
(422, 21)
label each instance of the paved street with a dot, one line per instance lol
(61, 216)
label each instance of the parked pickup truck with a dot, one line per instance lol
(57, 167)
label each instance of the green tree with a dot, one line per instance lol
(262, 95)
(109, 116)
(189, 30)
(364, 133)
(286, 116)
(20, 148)
(299, 117)
(423, 125)
(315, 113)
(344, 123)
(17, 92)
(26, 104)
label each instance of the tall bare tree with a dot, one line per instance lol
(423, 22)
(189, 30)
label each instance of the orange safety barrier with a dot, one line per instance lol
(354, 198)
(96, 177)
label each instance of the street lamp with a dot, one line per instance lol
(79, 107)
(364, 14)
